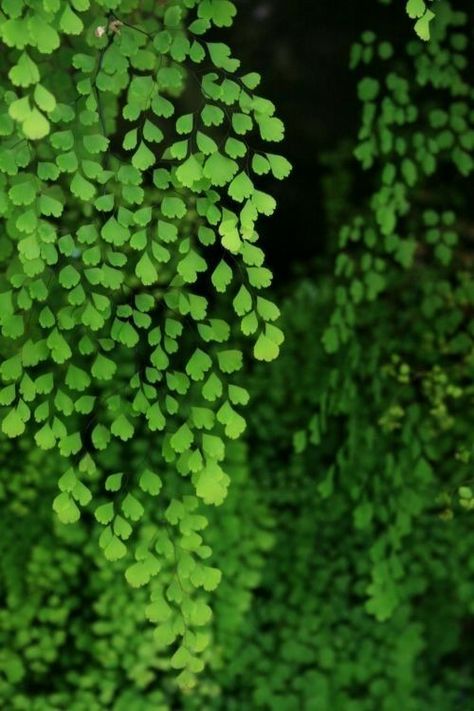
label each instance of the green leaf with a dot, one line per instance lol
(115, 233)
(199, 27)
(182, 439)
(122, 428)
(260, 164)
(23, 193)
(189, 172)
(141, 572)
(103, 368)
(59, 347)
(82, 494)
(205, 143)
(235, 148)
(201, 614)
(35, 126)
(185, 124)
(331, 340)
(267, 309)
(114, 482)
(221, 276)
(280, 167)
(416, 8)
(44, 99)
(66, 509)
(241, 187)
(179, 149)
(221, 57)
(20, 109)
(422, 26)
(104, 203)
(211, 485)
(77, 379)
(146, 270)
(144, 158)
(211, 578)
(234, 423)
(243, 301)
(130, 140)
(68, 481)
(220, 169)
(104, 513)
(263, 202)
(212, 115)
(24, 72)
(221, 13)
(95, 143)
(13, 31)
(173, 207)
(152, 133)
(230, 361)
(100, 437)
(271, 128)
(368, 89)
(80, 5)
(158, 610)
(122, 528)
(241, 123)
(161, 106)
(252, 80)
(12, 424)
(190, 266)
(115, 549)
(70, 23)
(265, 349)
(238, 395)
(150, 483)
(82, 188)
(50, 206)
(132, 508)
(198, 365)
(155, 418)
(181, 658)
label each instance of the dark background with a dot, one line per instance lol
(301, 48)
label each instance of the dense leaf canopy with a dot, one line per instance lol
(158, 551)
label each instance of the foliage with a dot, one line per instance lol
(420, 11)
(129, 193)
(73, 631)
(336, 572)
(366, 599)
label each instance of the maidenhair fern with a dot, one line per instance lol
(403, 140)
(402, 259)
(420, 11)
(132, 150)
(337, 572)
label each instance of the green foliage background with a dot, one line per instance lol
(318, 556)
